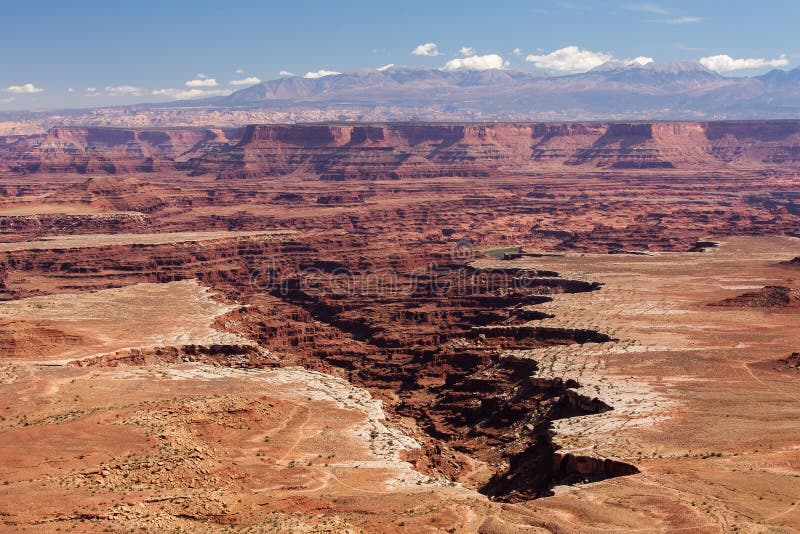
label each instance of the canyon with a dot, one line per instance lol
(399, 150)
(456, 327)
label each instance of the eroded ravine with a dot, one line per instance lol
(428, 335)
(438, 348)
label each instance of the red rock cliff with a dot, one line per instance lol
(385, 151)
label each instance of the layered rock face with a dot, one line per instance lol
(397, 151)
(407, 150)
(108, 150)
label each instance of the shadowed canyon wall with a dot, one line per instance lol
(406, 150)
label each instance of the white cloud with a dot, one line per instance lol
(517, 51)
(239, 71)
(123, 90)
(576, 59)
(466, 51)
(70, 90)
(92, 91)
(426, 49)
(680, 20)
(187, 94)
(570, 59)
(201, 75)
(202, 82)
(286, 73)
(320, 73)
(250, 80)
(27, 88)
(385, 67)
(489, 61)
(725, 63)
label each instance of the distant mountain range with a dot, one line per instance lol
(613, 91)
(668, 91)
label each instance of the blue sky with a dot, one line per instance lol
(96, 53)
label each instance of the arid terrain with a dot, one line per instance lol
(407, 327)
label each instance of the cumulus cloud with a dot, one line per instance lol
(576, 59)
(517, 51)
(485, 62)
(27, 88)
(320, 73)
(188, 94)
(203, 81)
(570, 59)
(92, 91)
(426, 49)
(725, 63)
(286, 73)
(123, 90)
(385, 67)
(250, 80)
(466, 51)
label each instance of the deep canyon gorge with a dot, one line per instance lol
(488, 327)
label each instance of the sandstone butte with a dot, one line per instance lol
(527, 327)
